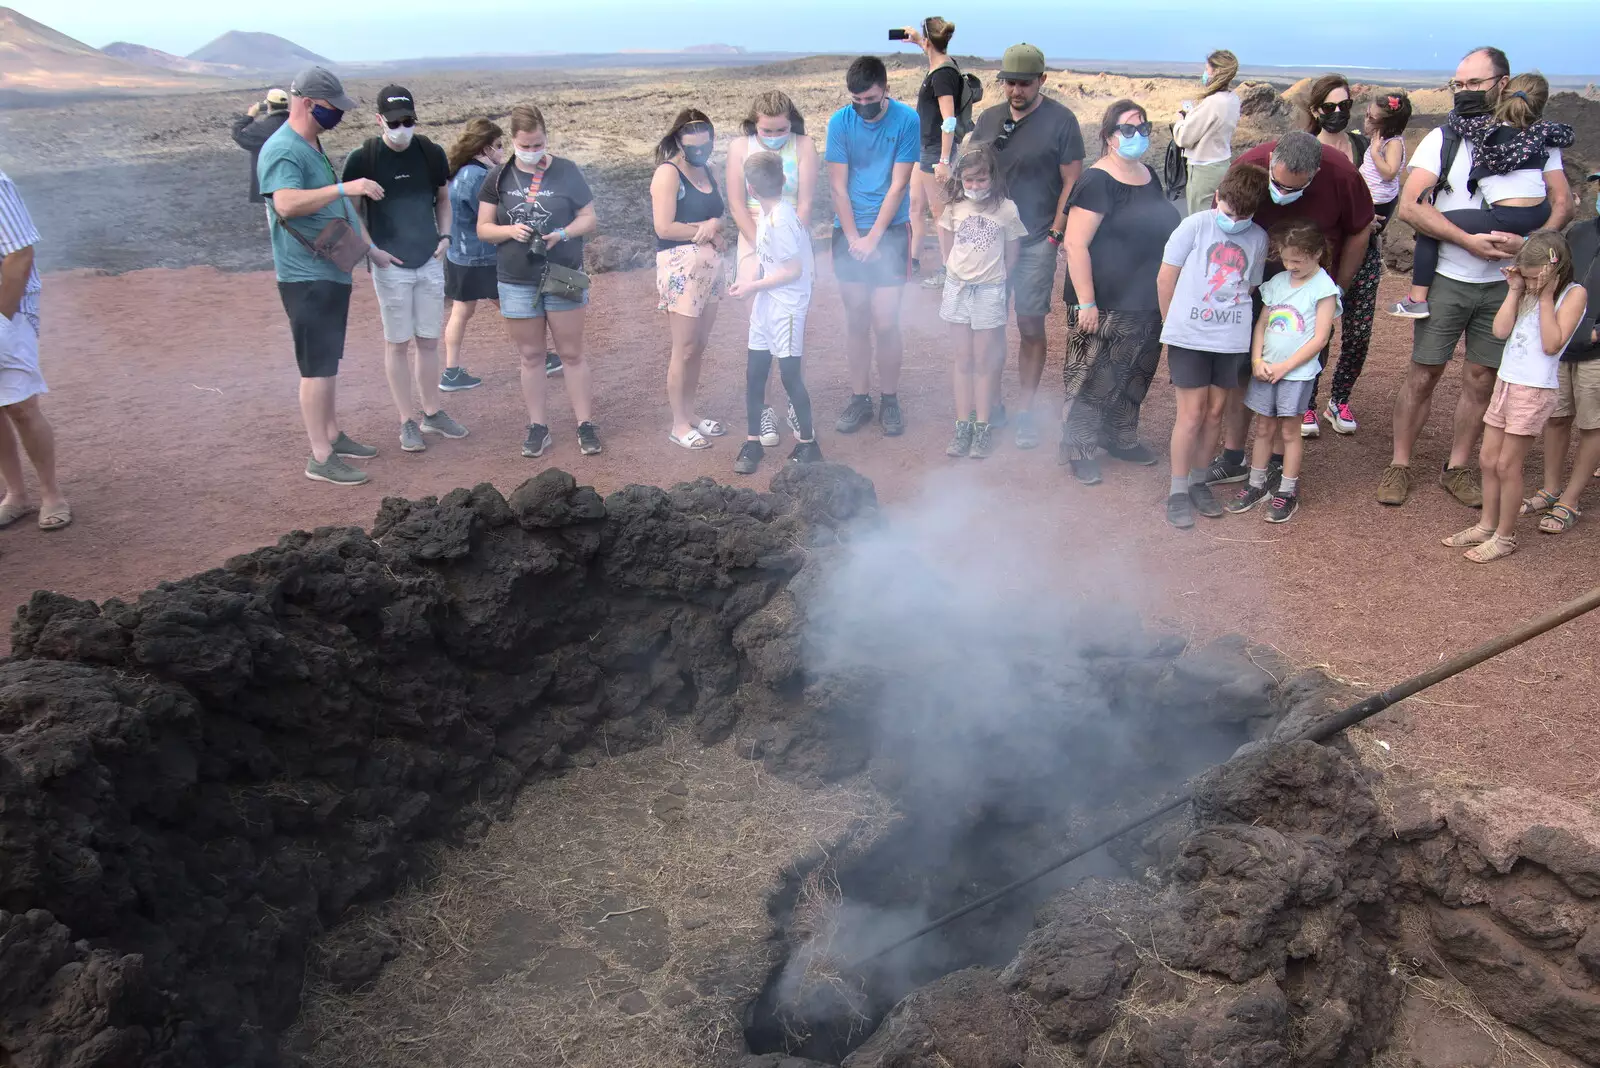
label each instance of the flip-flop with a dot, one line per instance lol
(10, 513)
(691, 441)
(711, 428)
(58, 519)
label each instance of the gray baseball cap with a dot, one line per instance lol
(320, 83)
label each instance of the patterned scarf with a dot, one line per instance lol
(1498, 149)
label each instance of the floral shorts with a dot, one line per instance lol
(689, 278)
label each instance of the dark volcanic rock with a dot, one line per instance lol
(964, 1020)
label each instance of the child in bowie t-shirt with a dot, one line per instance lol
(1211, 263)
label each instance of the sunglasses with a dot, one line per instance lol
(1329, 109)
(1128, 129)
(1287, 188)
(1007, 128)
(395, 124)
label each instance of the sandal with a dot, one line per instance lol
(10, 513)
(711, 428)
(691, 441)
(1539, 503)
(1559, 519)
(56, 519)
(1473, 535)
(1494, 549)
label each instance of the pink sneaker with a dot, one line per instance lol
(1340, 418)
(1310, 428)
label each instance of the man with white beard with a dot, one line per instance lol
(411, 222)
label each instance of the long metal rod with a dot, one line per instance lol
(1321, 732)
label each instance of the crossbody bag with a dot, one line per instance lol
(563, 283)
(338, 243)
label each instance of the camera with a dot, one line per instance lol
(898, 35)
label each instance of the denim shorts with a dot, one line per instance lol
(518, 301)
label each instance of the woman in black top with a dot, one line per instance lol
(1118, 222)
(936, 112)
(687, 207)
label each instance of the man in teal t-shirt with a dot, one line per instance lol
(873, 144)
(305, 196)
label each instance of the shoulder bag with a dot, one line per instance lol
(338, 243)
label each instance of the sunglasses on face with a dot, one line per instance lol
(395, 124)
(1287, 188)
(1128, 129)
(1329, 109)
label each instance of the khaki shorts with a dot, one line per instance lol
(1457, 308)
(1580, 394)
(1520, 410)
(410, 302)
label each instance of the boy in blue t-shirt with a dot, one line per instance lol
(872, 147)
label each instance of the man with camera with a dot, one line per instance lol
(1040, 148)
(251, 130)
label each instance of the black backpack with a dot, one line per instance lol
(1447, 159)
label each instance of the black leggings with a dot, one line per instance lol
(758, 364)
(1523, 221)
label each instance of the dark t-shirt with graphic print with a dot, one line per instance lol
(560, 195)
(404, 223)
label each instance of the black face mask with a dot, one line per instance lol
(869, 111)
(1471, 103)
(1334, 122)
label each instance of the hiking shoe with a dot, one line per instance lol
(1222, 472)
(982, 441)
(794, 423)
(1247, 498)
(589, 439)
(1282, 508)
(440, 423)
(806, 452)
(411, 437)
(961, 444)
(749, 458)
(455, 379)
(1132, 454)
(1086, 470)
(769, 428)
(335, 471)
(934, 280)
(552, 364)
(1180, 511)
(1309, 427)
(1027, 430)
(537, 441)
(1409, 309)
(343, 445)
(1463, 484)
(1340, 418)
(894, 424)
(1395, 485)
(857, 414)
(997, 415)
(1205, 502)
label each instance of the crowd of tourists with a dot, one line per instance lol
(1239, 266)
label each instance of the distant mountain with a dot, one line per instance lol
(146, 56)
(265, 52)
(34, 58)
(715, 50)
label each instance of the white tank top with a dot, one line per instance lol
(1383, 189)
(791, 171)
(1524, 362)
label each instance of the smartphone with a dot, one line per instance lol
(898, 35)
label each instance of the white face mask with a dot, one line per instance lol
(976, 191)
(400, 139)
(530, 157)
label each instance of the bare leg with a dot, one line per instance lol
(858, 335)
(1513, 453)
(1236, 422)
(1186, 430)
(316, 410)
(702, 337)
(1557, 436)
(566, 331)
(1206, 438)
(397, 368)
(39, 442)
(1264, 444)
(1291, 444)
(990, 346)
(1477, 384)
(680, 378)
(919, 210)
(886, 335)
(425, 368)
(1030, 357)
(1494, 440)
(455, 330)
(527, 335)
(1582, 467)
(1411, 407)
(961, 370)
(11, 463)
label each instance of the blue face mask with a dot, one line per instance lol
(1232, 226)
(326, 117)
(1279, 197)
(774, 143)
(1133, 147)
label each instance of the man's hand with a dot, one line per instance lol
(1508, 244)
(739, 290)
(442, 247)
(381, 258)
(863, 248)
(253, 110)
(1483, 246)
(363, 187)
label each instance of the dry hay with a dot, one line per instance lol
(619, 918)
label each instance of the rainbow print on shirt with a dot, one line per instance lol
(1283, 319)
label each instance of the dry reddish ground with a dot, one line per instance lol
(174, 396)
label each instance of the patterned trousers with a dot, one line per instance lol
(1355, 325)
(1106, 376)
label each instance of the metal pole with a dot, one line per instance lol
(1321, 732)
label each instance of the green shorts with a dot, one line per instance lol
(1455, 308)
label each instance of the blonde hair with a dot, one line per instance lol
(1542, 249)
(526, 118)
(763, 173)
(1522, 103)
(773, 102)
(1224, 69)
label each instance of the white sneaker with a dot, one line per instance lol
(769, 428)
(1309, 427)
(1340, 418)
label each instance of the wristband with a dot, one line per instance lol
(1055, 237)
(562, 235)
(1083, 307)
(340, 188)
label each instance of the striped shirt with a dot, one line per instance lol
(17, 233)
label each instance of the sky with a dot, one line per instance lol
(1555, 36)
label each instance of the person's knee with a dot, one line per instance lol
(1030, 327)
(1477, 382)
(26, 414)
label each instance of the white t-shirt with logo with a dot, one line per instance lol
(1210, 309)
(780, 239)
(1524, 361)
(1455, 261)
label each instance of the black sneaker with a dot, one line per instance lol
(1222, 472)
(1086, 471)
(1247, 498)
(1180, 512)
(1205, 502)
(552, 364)
(894, 424)
(749, 458)
(857, 414)
(455, 379)
(589, 439)
(1283, 507)
(806, 452)
(1136, 453)
(537, 441)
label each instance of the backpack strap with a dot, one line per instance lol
(1448, 150)
(438, 166)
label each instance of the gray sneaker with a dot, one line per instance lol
(1027, 430)
(343, 445)
(440, 423)
(982, 441)
(335, 471)
(411, 437)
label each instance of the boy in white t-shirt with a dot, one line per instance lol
(778, 314)
(1211, 263)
